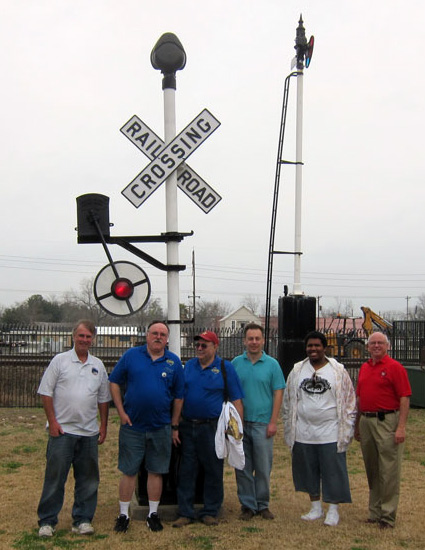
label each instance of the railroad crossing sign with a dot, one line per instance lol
(167, 158)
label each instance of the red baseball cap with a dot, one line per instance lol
(208, 336)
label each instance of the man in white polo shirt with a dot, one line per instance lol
(73, 388)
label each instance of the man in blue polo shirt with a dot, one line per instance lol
(154, 384)
(203, 400)
(263, 383)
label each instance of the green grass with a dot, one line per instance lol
(354, 471)
(61, 539)
(203, 543)
(25, 449)
(252, 529)
(11, 466)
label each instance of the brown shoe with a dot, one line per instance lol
(182, 521)
(246, 514)
(209, 520)
(266, 514)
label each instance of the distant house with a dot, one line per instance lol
(110, 337)
(238, 318)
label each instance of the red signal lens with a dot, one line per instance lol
(309, 53)
(122, 289)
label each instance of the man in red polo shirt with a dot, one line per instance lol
(383, 396)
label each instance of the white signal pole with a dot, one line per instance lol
(300, 47)
(169, 56)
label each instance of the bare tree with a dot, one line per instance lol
(420, 307)
(342, 308)
(208, 313)
(252, 302)
(83, 303)
(152, 311)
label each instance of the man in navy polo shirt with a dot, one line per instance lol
(154, 384)
(203, 400)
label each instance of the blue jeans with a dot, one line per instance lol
(198, 449)
(254, 489)
(82, 453)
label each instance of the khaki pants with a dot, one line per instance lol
(382, 458)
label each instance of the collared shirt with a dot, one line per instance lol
(381, 385)
(259, 382)
(203, 388)
(150, 386)
(76, 389)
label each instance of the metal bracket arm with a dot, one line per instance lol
(144, 256)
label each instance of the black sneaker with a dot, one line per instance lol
(121, 523)
(154, 523)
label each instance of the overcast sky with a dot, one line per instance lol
(73, 72)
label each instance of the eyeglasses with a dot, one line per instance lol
(159, 334)
(201, 345)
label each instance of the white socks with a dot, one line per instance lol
(124, 507)
(153, 507)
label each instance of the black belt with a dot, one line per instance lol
(201, 420)
(379, 414)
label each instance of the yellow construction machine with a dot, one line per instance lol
(346, 342)
(372, 319)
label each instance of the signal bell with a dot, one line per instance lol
(92, 208)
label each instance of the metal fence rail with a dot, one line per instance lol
(408, 341)
(25, 352)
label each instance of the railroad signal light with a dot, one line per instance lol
(309, 51)
(122, 289)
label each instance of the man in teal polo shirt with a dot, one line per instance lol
(263, 384)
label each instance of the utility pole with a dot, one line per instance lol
(407, 307)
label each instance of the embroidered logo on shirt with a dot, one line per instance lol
(215, 370)
(170, 361)
(94, 371)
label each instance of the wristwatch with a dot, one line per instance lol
(174, 427)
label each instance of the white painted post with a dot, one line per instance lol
(169, 56)
(171, 210)
(298, 184)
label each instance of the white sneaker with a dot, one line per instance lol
(313, 514)
(332, 517)
(46, 531)
(83, 529)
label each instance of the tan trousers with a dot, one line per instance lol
(382, 458)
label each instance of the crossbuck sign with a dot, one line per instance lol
(167, 158)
